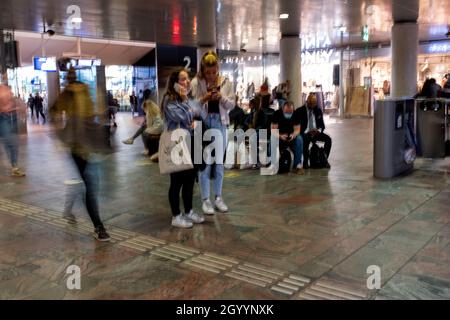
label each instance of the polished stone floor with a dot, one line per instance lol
(285, 237)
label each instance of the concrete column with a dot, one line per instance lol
(52, 88)
(206, 28)
(290, 50)
(404, 48)
(290, 65)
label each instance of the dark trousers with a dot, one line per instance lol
(41, 112)
(181, 181)
(32, 111)
(89, 174)
(307, 139)
(151, 142)
(140, 130)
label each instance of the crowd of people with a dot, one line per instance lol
(207, 99)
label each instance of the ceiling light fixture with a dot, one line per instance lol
(284, 15)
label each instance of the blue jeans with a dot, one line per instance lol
(213, 122)
(8, 135)
(297, 148)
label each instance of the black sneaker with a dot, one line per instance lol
(101, 235)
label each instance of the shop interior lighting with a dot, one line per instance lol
(284, 15)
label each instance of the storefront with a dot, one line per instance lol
(26, 80)
(122, 81)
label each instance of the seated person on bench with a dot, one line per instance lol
(313, 126)
(289, 133)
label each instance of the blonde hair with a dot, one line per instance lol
(209, 59)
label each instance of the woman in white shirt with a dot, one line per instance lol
(215, 93)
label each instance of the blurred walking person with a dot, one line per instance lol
(78, 135)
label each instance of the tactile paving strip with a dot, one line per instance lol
(326, 290)
(258, 275)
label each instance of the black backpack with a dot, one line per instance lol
(317, 157)
(285, 161)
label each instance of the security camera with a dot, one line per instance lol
(51, 32)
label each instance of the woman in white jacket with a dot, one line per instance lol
(215, 93)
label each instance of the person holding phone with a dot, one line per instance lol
(215, 93)
(179, 110)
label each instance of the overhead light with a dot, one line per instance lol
(284, 15)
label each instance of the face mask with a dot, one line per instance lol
(288, 115)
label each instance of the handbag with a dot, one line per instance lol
(93, 137)
(174, 155)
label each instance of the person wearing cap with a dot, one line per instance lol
(8, 128)
(215, 94)
(77, 104)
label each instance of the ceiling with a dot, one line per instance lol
(253, 21)
(111, 52)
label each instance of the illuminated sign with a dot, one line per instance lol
(319, 41)
(365, 34)
(45, 63)
(319, 56)
(441, 47)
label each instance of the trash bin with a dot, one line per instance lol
(394, 142)
(431, 127)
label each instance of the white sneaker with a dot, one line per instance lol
(128, 141)
(208, 207)
(194, 217)
(180, 222)
(220, 205)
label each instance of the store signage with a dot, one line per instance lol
(442, 47)
(45, 63)
(318, 56)
(314, 42)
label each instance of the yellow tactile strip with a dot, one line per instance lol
(276, 280)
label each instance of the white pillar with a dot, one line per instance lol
(404, 51)
(341, 79)
(290, 50)
(52, 88)
(206, 28)
(290, 67)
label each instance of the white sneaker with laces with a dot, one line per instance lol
(208, 207)
(220, 205)
(194, 217)
(181, 222)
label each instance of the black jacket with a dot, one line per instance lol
(302, 113)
